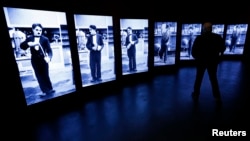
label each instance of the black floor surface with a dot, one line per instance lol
(157, 110)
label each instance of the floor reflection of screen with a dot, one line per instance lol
(189, 33)
(218, 29)
(165, 43)
(54, 28)
(97, 65)
(235, 38)
(134, 45)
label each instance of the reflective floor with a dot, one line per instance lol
(157, 110)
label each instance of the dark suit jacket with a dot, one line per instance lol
(134, 38)
(208, 47)
(45, 44)
(99, 40)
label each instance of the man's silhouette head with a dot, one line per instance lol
(207, 27)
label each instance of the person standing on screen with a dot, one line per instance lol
(234, 39)
(18, 37)
(41, 55)
(206, 50)
(81, 39)
(164, 42)
(123, 37)
(95, 45)
(191, 38)
(131, 41)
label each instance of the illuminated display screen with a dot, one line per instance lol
(134, 45)
(235, 39)
(165, 43)
(95, 43)
(188, 34)
(34, 35)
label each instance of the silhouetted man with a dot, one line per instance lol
(206, 50)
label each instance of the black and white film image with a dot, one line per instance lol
(41, 48)
(189, 33)
(134, 45)
(164, 43)
(235, 38)
(95, 48)
(218, 29)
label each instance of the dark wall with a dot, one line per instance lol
(181, 10)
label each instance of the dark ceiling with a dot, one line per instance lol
(177, 9)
